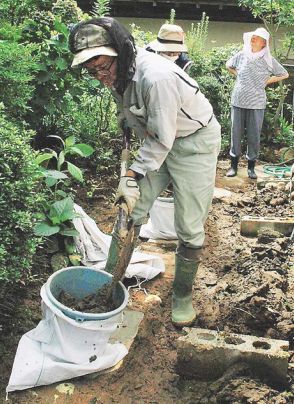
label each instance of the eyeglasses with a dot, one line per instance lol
(101, 70)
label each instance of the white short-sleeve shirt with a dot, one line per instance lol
(249, 90)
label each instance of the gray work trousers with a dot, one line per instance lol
(250, 120)
(191, 167)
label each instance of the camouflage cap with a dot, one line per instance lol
(91, 40)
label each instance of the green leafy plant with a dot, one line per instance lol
(172, 16)
(58, 219)
(197, 36)
(69, 148)
(58, 212)
(17, 71)
(92, 120)
(20, 198)
(101, 8)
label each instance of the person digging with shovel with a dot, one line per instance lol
(180, 144)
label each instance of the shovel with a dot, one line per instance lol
(123, 231)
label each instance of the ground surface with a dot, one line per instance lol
(244, 285)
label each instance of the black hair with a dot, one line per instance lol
(121, 40)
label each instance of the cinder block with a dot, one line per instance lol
(206, 354)
(250, 225)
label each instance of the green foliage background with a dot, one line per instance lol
(20, 199)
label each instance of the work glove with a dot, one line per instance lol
(128, 190)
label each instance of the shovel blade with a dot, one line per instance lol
(121, 247)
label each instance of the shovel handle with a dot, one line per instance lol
(123, 219)
(125, 154)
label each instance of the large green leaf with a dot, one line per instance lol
(82, 149)
(69, 232)
(43, 157)
(61, 160)
(61, 211)
(75, 172)
(61, 193)
(44, 229)
(70, 141)
(50, 182)
(58, 175)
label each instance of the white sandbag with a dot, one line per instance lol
(94, 245)
(160, 224)
(60, 348)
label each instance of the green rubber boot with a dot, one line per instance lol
(183, 313)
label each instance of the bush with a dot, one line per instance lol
(17, 69)
(216, 83)
(92, 120)
(19, 199)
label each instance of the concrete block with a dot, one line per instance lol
(206, 354)
(250, 225)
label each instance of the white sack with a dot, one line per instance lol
(94, 245)
(161, 224)
(60, 348)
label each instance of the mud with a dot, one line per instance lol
(99, 302)
(244, 285)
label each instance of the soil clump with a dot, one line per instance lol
(99, 302)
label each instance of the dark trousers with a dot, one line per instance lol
(249, 120)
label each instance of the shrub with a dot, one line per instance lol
(216, 83)
(92, 120)
(19, 199)
(17, 69)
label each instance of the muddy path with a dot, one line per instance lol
(244, 285)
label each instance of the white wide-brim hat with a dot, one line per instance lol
(261, 32)
(170, 38)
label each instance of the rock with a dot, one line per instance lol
(277, 201)
(271, 185)
(59, 261)
(153, 299)
(65, 388)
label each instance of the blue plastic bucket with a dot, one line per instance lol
(80, 282)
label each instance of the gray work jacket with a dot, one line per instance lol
(161, 104)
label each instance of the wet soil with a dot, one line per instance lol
(244, 285)
(99, 302)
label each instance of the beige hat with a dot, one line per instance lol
(170, 38)
(89, 41)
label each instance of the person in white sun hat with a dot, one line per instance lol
(170, 43)
(254, 68)
(180, 142)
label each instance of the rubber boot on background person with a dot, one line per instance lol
(232, 172)
(186, 265)
(251, 172)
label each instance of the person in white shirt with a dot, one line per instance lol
(180, 140)
(254, 68)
